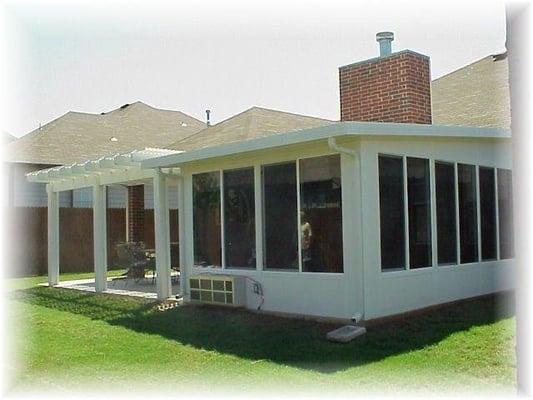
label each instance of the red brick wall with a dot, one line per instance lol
(395, 88)
(136, 213)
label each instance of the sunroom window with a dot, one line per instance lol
(467, 213)
(446, 213)
(487, 210)
(280, 222)
(321, 214)
(239, 218)
(206, 219)
(505, 213)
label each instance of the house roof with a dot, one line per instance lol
(253, 123)
(474, 95)
(7, 138)
(78, 136)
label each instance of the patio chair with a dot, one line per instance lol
(132, 256)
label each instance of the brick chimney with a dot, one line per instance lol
(394, 87)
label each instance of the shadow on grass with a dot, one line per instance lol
(298, 343)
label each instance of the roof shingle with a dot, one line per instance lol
(77, 136)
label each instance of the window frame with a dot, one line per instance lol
(259, 215)
(434, 244)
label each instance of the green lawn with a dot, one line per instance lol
(66, 339)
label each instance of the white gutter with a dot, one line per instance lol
(332, 143)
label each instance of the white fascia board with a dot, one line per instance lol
(360, 129)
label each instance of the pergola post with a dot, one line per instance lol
(100, 237)
(181, 232)
(53, 236)
(162, 236)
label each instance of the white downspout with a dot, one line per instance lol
(332, 143)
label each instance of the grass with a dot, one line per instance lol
(71, 338)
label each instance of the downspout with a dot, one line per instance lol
(332, 143)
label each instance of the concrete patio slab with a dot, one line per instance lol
(144, 288)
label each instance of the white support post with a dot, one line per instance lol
(100, 238)
(162, 237)
(53, 236)
(181, 230)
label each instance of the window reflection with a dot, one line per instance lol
(206, 219)
(239, 218)
(280, 224)
(321, 214)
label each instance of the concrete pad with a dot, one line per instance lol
(345, 333)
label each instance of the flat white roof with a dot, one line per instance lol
(333, 130)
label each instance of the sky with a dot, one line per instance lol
(223, 56)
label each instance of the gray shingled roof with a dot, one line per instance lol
(76, 136)
(475, 95)
(253, 123)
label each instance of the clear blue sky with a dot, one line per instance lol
(94, 57)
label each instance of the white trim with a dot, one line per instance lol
(497, 203)
(359, 129)
(433, 210)
(298, 217)
(478, 212)
(406, 214)
(222, 220)
(457, 216)
(258, 200)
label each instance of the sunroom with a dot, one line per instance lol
(350, 220)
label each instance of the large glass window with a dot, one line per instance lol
(321, 214)
(467, 213)
(280, 223)
(391, 207)
(206, 219)
(239, 218)
(505, 213)
(446, 213)
(487, 211)
(419, 206)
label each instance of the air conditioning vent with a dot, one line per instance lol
(218, 289)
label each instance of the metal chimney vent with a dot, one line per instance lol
(385, 43)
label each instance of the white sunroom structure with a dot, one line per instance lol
(366, 285)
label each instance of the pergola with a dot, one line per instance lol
(115, 169)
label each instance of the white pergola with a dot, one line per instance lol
(118, 168)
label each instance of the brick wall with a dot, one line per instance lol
(136, 213)
(394, 88)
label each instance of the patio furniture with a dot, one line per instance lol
(174, 261)
(132, 256)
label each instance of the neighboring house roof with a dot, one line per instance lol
(78, 136)
(7, 138)
(253, 123)
(474, 95)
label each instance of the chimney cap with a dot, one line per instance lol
(385, 36)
